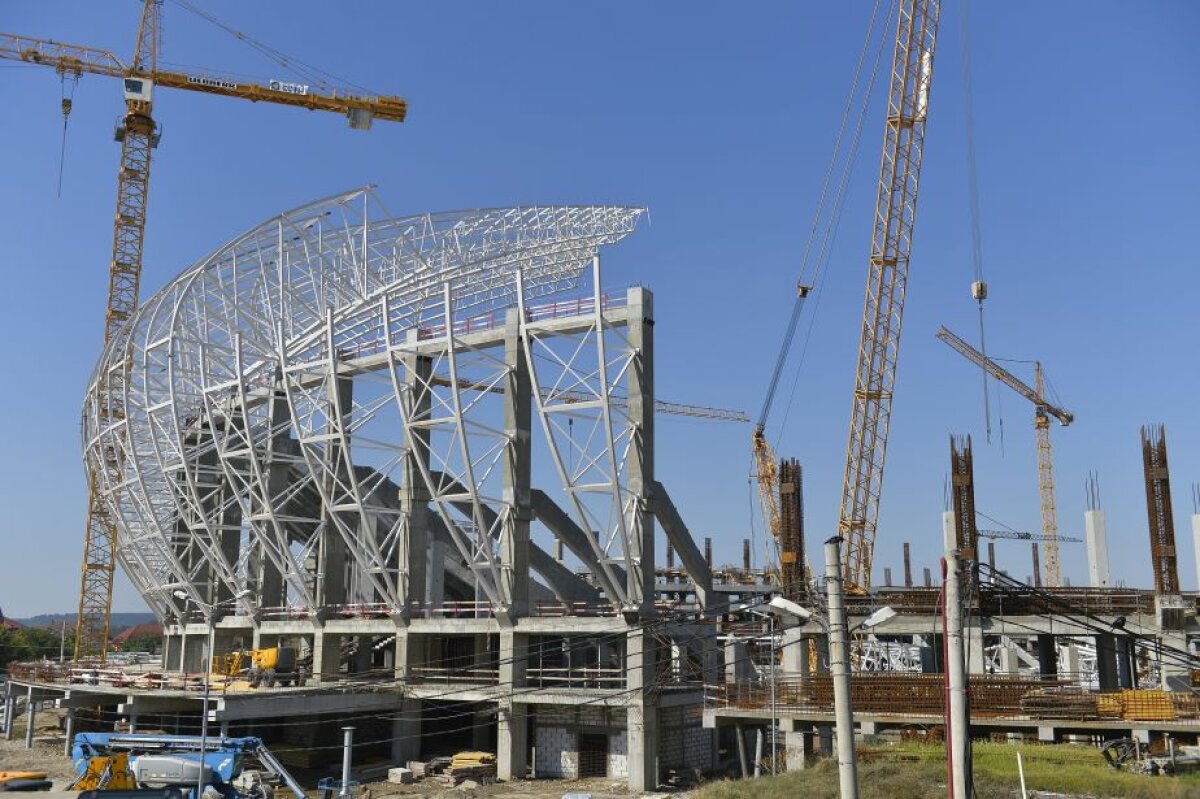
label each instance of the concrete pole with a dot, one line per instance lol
(70, 731)
(347, 748)
(959, 733)
(30, 715)
(839, 667)
(9, 706)
(1097, 547)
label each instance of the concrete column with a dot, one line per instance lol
(512, 719)
(133, 723)
(973, 643)
(797, 750)
(70, 730)
(194, 654)
(1047, 656)
(8, 710)
(642, 710)
(737, 661)
(1069, 663)
(406, 732)
(1010, 663)
(514, 535)
(1175, 677)
(640, 464)
(1106, 662)
(512, 741)
(415, 549)
(949, 538)
(30, 718)
(1096, 534)
(224, 728)
(327, 655)
(331, 548)
(794, 652)
(1126, 665)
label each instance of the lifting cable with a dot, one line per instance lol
(834, 205)
(325, 80)
(69, 79)
(979, 285)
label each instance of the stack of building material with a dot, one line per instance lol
(1059, 705)
(400, 776)
(417, 767)
(477, 766)
(1147, 706)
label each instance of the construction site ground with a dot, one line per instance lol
(47, 755)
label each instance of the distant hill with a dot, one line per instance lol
(119, 621)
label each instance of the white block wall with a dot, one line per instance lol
(618, 755)
(557, 752)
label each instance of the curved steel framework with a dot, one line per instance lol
(295, 404)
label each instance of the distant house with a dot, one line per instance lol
(118, 640)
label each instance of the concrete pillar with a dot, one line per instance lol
(70, 731)
(949, 538)
(514, 535)
(415, 544)
(512, 719)
(973, 642)
(1106, 662)
(331, 547)
(1174, 677)
(30, 718)
(737, 661)
(1126, 662)
(794, 652)
(1096, 535)
(327, 655)
(1068, 666)
(194, 654)
(224, 728)
(797, 750)
(1010, 663)
(642, 710)
(512, 741)
(1047, 657)
(406, 732)
(640, 460)
(133, 723)
(8, 710)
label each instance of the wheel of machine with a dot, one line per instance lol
(268, 680)
(1120, 753)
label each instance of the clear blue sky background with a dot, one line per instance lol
(719, 117)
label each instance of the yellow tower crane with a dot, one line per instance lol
(138, 133)
(887, 280)
(1043, 410)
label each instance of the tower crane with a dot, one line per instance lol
(139, 134)
(1043, 410)
(887, 280)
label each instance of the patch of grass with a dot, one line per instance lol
(917, 771)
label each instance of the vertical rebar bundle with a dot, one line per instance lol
(791, 524)
(962, 487)
(1158, 510)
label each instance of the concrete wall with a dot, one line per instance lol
(682, 742)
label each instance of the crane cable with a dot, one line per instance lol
(67, 103)
(979, 285)
(307, 71)
(835, 207)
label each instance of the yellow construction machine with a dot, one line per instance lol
(262, 667)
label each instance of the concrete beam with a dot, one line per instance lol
(677, 532)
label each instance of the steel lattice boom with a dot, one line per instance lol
(1043, 410)
(887, 280)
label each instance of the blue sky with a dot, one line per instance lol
(719, 118)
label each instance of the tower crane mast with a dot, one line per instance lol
(1043, 411)
(883, 310)
(138, 134)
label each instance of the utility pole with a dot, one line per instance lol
(839, 667)
(958, 737)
